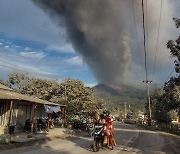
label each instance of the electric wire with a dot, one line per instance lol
(147, 32)
(137, 37)
(170, 74)
(28, 72)
(7, 62)
(13, 68)
(157, 41)
(145, 53)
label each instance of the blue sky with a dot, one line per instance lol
(31, 42)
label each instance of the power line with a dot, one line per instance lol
(13, 68)
(18, 69)
(7, 62)
(147, 30)
(157, 40)
(137, 37)
(145, 55)
(170, 74)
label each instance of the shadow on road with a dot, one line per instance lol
(141, 140)
(130, 139)
(82, 141)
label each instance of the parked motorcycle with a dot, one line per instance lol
(42, 124)
(27, 126)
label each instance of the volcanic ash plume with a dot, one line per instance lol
(97, 30)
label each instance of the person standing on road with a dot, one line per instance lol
(109, 129)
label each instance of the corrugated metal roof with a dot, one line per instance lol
(4, 87)
(7, 93)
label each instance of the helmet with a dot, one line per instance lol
(108, 112)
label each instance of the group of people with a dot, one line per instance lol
(108, 127)
(105, 119)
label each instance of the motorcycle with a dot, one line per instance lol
(27, 126)
(90, 129)
(98, 137)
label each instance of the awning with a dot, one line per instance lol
(50, 109)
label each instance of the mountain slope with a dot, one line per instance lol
(134, 95)
(115, 98)
(101, 90)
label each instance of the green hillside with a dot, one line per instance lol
(115, 99)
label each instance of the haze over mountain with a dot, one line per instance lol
(134, 95)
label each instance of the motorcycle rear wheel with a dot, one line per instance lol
(95, 146)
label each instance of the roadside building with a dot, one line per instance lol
(16, 108)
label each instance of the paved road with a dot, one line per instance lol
(130, 140)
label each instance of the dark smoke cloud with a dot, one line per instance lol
(98, 31)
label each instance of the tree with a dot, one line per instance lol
(43, 89)
(2, 82)
(172, 87)
(167, 100)
(177, 22)
(70, 92)
(160, 112)
(78, 97)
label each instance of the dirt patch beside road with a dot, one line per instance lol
(22, 139)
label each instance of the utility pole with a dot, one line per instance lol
(148, 93)
(125, 112)
(65, 92)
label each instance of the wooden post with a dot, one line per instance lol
(63, 123)
(63, 116)
(32, 117)
(10, 114)
(48, 124)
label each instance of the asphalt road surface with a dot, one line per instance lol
(131, 139)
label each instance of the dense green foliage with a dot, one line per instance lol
(167, 100)
(172, 87)
(115, 98)
(70, 92)
(160, 111)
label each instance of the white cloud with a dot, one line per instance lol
(6, 46)
(90, 84)
(74, 61)
(34, 70)
(76, 70)
(15, 46)
(25, 21)
(67, 48)
(33, 55)
(35, 62)
(27, 49)
(11, 61)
